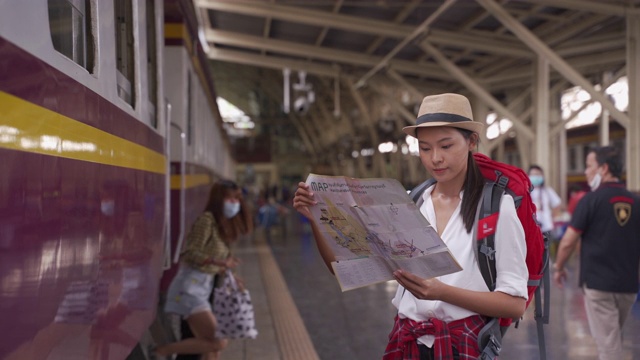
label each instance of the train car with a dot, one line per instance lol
(107, 130)
(201, 152)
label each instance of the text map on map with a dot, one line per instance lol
(374, 228)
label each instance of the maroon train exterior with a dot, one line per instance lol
(80, 242)
(87, 229)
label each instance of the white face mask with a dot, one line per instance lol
(231, 209)
(595, 182)
(536, 180)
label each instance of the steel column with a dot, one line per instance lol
(541, 114)
(633, 130)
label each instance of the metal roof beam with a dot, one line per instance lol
(289, 48)
(338, 56)
(400, 17)
(325, 30)
(556, 61)
(271, 62)
(556, 33)
(418, 31)
(309, 17)
(522, 75)
(485, 43)
(610, 42)
(588, 5)
(368, 26)
(605, 42)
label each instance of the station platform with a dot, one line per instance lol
(302, 314)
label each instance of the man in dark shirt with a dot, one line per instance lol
(608, 220)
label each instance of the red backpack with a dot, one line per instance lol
(503, 178)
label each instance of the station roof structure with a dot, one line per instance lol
(370, 62)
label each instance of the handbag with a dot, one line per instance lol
(233, 310)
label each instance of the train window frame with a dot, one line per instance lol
(152, 62)
(189, 108)
(125, 50)
(70, 28)
(576, 155)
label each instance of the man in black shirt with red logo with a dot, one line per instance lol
(608, 221)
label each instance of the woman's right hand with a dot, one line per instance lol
(303, 199)
(220, 343)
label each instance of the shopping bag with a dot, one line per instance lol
(233, 310)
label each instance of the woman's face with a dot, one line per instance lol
(232, 196)
(231, 206)
(444, 152)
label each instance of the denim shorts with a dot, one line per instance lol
(189, 292)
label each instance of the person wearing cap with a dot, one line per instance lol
(440, 318)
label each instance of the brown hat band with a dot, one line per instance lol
(440, 117)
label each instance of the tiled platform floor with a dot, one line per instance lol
(355, 324)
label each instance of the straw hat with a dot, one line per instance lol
(451, 110)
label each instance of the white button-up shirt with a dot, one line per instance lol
(511, 268)
(545, 199)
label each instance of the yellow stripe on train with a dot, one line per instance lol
(190, 181)
(25, 126)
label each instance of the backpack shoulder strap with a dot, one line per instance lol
(417, 191)
(490, 339)
(488, 212)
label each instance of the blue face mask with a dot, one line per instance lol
(231, 209)
(536, 180)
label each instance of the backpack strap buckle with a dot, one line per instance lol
(487, 251)
(502, 181)
(490, 340)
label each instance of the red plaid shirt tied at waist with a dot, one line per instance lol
(461, 334)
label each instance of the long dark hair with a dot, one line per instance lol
(242, 223)
(473, 185)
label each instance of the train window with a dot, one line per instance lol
(152, 62)
(124, 50)
(189, 109)
(70, 25)
(574, 161)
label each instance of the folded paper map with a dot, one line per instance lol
(374, 228)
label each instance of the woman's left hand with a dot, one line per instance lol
(240, 282)
(231, 262)
(423, 289)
